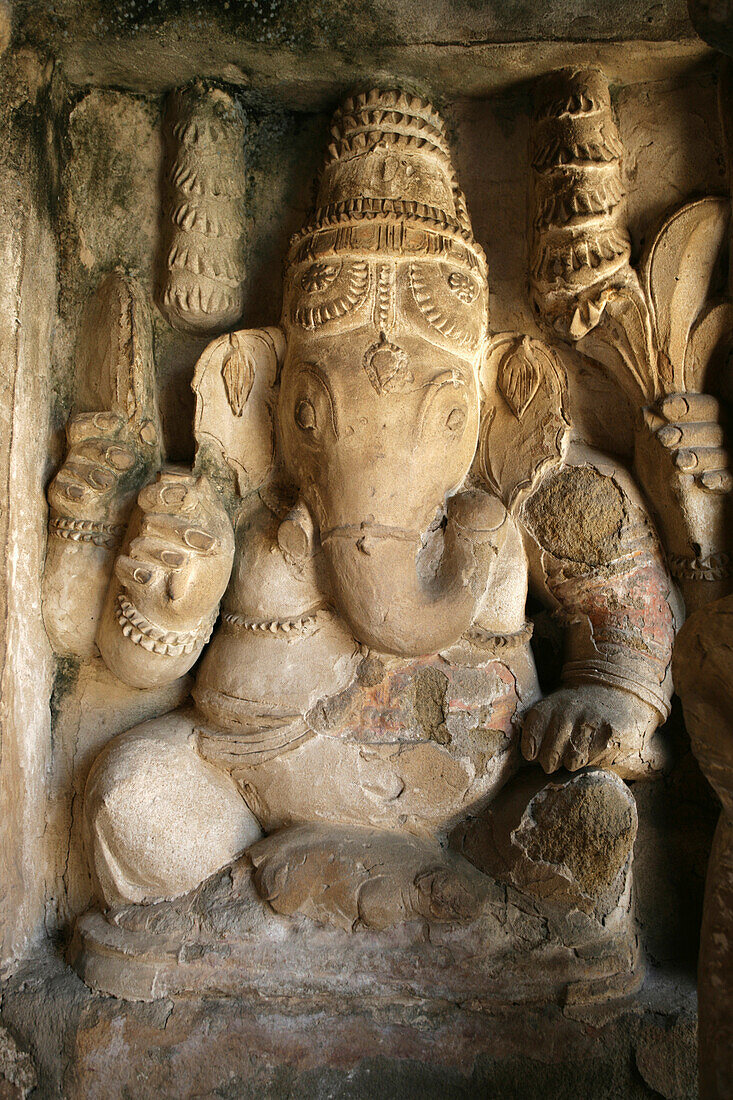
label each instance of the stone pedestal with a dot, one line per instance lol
(222, 940)
(89, 1045)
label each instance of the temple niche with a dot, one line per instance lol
(366, 403)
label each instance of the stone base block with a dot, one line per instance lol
(222, 939)
(86, 1045)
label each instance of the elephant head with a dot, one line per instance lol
(385, 313)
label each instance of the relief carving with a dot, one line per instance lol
(703, 670)
(203, 226)
(111, 453)
(660, 333)
(377, 483)
(665, 335)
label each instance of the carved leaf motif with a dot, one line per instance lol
(514, 452)
(519, 377)
(621, 339)
(678, 275)
(707, 349)
(238, 372)
(233, 421)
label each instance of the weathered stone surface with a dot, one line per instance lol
(665, 1056)
(331, 551)
(565, 841)
(477, 127)
(301, 56)
(89, 707)
(713, 22)
(213, 1046)
(27, 309)
(703, 670)
(17, 1074)
(454, 934)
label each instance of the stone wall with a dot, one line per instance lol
(28, 288)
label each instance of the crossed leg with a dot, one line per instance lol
(158, 818)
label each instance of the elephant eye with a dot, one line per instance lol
(456, 419)
(305, 415)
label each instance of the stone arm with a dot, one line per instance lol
(660, 331)
(178, 555)
(595, 558)
(168, 580)
(90, 502)
(150, 611)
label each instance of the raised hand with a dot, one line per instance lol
(90, 500)
(177, 566)
(93, 492)
(683, 465)
(111, 454)
(687, 428)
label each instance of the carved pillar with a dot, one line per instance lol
(27, 303)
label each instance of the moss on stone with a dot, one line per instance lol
(431, 688)
(588, 828)
(294, 24)
(64, 681)
(578, 514)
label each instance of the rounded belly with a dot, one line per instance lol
(410, 744)
(259, 673)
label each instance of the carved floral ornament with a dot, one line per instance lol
(452, 301)
(238, 372)
(345, 568)
(319, 276)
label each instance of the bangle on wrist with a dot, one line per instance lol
(107, 535)
(714, 567)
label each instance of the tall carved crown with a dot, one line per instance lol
(389, 187)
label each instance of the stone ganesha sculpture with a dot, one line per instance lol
(377, 484)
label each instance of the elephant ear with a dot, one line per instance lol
(524, 423)
(234, 384)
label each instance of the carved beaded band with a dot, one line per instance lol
(168, 642)
(716, 567)
(108, 535)
(296, 625)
